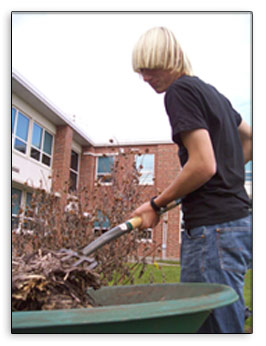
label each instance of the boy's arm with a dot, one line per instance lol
(245, 133)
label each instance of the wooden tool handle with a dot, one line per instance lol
(135, 222)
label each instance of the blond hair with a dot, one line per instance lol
(159, 49)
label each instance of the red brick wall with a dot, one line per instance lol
(165, 170)
(167, 167)
(87, 168)
(61, 159)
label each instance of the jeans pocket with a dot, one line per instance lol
(193, 254)
(195, 233)
(234, 248)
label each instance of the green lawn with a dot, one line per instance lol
(171, 274)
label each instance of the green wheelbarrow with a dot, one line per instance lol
(138, 309)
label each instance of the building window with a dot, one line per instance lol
(248, 176)
(145, 166)
(28, 221)
(20, 130)
(104, 169)
(248, 171)
(21, 200)
(145, 235)
(16, 202)
(41, 145)
(41, 140)
(101, 224)
(13, 119)
(74, 168)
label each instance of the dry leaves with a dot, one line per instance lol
(42, 281)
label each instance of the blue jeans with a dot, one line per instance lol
(219, 254)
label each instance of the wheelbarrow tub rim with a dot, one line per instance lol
(222, 295)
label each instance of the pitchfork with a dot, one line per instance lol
(110, 235)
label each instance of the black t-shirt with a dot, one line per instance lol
(192, 104)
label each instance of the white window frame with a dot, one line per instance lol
(144, 173)
(146, 240)
(74, 171)
(42, 152)
(14, 136)
(23, 204)
(98, 178)
(28, 143)
(102, 230)
(99, 228)
(16, 216)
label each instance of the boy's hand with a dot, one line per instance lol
(149, 217)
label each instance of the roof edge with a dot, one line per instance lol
(54, 109)
(45, 101)
(132, 143)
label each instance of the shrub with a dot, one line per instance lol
(53, 223)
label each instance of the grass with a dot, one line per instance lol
(165, 273)
(171, 274)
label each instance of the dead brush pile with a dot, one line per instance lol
(41, 279)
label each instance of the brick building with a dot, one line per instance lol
(49, 149)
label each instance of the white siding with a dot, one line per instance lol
(28, 170)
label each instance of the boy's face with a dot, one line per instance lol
(158, 79)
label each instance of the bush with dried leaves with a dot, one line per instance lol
(40, 279)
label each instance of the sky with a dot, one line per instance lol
(81, 62)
